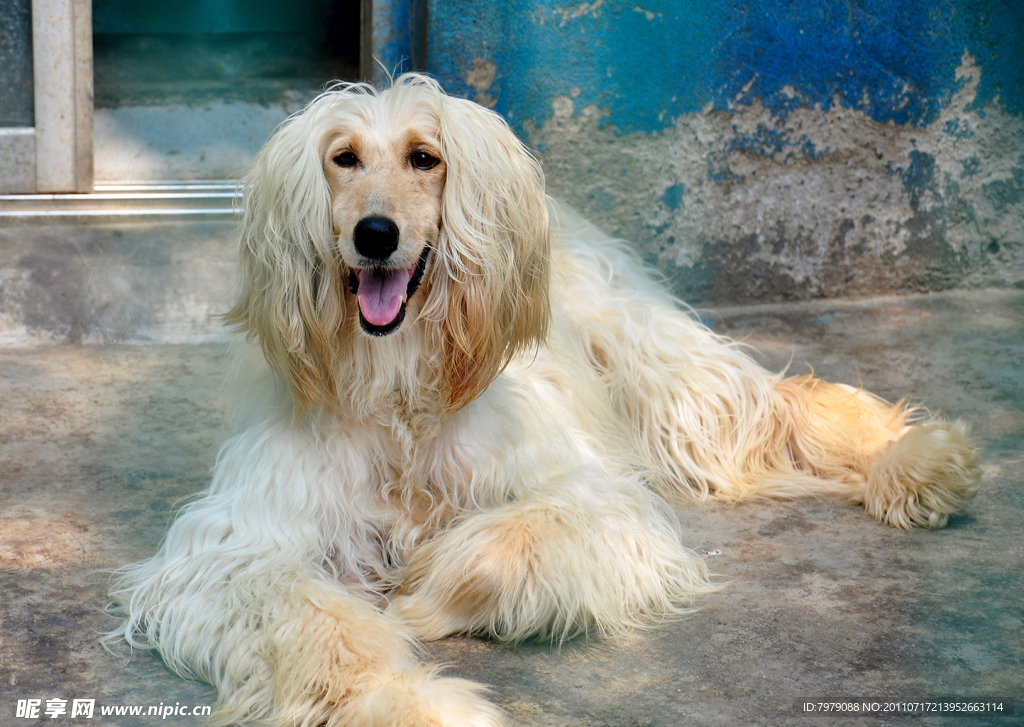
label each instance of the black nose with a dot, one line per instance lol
(376, 237)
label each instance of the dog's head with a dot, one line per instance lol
(373, 211)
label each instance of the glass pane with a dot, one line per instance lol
(191, 90)
(16, 63)
(254, 50)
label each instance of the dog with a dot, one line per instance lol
(461, 409)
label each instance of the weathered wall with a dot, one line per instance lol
(768, 150)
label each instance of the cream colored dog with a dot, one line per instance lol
(466, 419)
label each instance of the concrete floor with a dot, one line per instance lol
(99, 441)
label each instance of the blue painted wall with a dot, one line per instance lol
(895, 59)
(765, 149)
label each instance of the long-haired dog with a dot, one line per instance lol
(468, 413)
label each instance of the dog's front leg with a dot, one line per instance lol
(338, 661)
(241, 595)
(285, 648)
(587, 552)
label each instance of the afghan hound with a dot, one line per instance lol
(458, 409)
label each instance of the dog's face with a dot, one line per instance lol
(386, 187)
(372, 210)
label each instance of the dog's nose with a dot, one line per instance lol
(376, 237)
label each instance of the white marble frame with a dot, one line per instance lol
(57, 154)
(62, 67)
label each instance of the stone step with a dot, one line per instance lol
(126, 279)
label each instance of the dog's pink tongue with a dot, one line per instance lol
(381, 294)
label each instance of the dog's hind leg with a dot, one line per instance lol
(713, 422)
(907, 469)
(710, 422)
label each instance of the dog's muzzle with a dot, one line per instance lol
(382, 292)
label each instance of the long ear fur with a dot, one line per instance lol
(490, 284)
(289, 297)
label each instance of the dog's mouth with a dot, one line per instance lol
(382, 293)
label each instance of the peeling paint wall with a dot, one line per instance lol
(769, 150)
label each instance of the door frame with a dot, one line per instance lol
(56, 154)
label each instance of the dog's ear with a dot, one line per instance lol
(289, 298)
(491, 296)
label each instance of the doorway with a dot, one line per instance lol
(189, 91)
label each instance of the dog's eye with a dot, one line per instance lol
(422, 160)
(346, 159)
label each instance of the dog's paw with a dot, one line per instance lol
(923, 477)
(420, 698)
